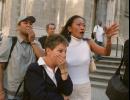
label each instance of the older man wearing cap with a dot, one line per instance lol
(25, 52)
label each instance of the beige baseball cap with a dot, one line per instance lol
(23, 18)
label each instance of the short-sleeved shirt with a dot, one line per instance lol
(21, 57)
(99, 33)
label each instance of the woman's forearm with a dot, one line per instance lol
(108, 47)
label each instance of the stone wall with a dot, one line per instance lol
(0, 16)
(58, 11)
(10, 16)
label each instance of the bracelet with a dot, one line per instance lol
(2, 92)
(108, 38)
(65, 73)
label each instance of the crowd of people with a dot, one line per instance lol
(54, 67)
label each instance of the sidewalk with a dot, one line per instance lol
(99, 94)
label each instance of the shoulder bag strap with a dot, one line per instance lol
(18, 88)
(122, 61)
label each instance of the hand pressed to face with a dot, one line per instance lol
(61, 62)
(58, 54)
(112, 30)
(57, 57)
(25, 29)
(31, 34)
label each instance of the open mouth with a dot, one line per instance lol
(82, 33)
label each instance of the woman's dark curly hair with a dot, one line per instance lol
(65, 32)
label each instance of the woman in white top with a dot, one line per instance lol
(78, 55)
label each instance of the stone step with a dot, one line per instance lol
(107, 62)
(103, 71)
(108, 67)
(106, 72)
(98, 84)
(99, 78)
(111, 58)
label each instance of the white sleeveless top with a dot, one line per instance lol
(78, 59)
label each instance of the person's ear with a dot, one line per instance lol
(48, 50)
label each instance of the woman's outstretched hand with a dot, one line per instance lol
(111, 30)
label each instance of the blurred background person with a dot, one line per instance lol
(98, 33)
(50, 29)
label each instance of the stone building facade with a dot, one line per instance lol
(58, 11)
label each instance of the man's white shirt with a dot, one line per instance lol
(99, 33)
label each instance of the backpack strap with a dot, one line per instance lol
(14, 40)
(18, 88)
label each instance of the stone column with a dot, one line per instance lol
(45, 11)
(89, 16)
(117, 14)
(74, 7)
(11, 13)
(111, 11)
(38, 9)
(124, 19)
(101, 11)
(1, 15)
(60, 14)
(23, 8)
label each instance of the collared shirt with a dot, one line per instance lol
(21, 57)
(49, 71)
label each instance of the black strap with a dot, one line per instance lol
(119, 68)
(14, 40)
(122, 62)
(18, 88)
